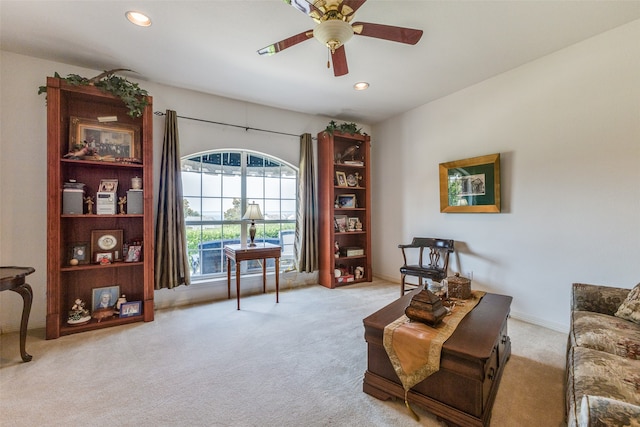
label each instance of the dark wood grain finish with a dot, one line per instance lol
(65, 283)
(462, 392)
(330, 147)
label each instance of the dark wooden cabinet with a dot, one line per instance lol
(344, 200)
(67, 282)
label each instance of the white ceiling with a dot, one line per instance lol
(210, 46)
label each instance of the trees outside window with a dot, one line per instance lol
(217, 187)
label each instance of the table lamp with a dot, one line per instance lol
(253, 213)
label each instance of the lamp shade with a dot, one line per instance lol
(333, 33)
(253, 212)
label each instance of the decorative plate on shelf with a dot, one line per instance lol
(107, 242)
(352, 181)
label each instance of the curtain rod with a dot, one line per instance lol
(246, 128)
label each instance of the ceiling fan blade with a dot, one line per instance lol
(349, 7)
(339, 60)
(306, 7)
(387, 32)
(288, 42)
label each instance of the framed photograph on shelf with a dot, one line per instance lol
(108, 186)
(471, 185)
(106, 242)
(132, 308)
(347, 201)
(340, 223)
(80, 252)
(104, 140)
(341, 179)
(133, 253)
(105, 297)
(104, 258)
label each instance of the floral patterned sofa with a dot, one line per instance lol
(603, 357)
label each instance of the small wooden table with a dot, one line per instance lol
(244, 252)
(12, 279)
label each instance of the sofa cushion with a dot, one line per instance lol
(593, 372)
(598, 411)
(630, 307)
(605, 333)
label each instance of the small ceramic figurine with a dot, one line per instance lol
(121, 202)
(78, 314)
(121, 301)
(336, 249)
(89, 201)
(359, 273)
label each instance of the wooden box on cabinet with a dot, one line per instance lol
(344, 200)
(66, 282)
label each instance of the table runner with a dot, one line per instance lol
(414, 348)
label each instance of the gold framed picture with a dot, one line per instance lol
(105, 141)
(471, 185)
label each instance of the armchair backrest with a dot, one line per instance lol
(438, 251)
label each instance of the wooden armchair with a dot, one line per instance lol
(434, 267)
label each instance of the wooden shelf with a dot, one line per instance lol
(66, 283)
(66, 329)
(330, 147)
(118, 264)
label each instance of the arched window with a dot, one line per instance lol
(217, 187)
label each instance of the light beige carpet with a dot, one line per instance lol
(296, 363)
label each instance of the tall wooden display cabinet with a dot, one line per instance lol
(344, 208)
(95, 246)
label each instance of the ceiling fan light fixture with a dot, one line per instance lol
(333, 33)
(138, 18)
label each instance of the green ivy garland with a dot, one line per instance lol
(130, 93)
(349, 128)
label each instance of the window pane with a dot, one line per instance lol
(288, 209)
(212, 209)
(289, 188)
(232, 185)
(231, 159)
(255, 187)
(191, 183)
(272, 187)
(211, 184)
(231, 209)
(192, 208)
(255, 165)
(288, 172)
(272, 209)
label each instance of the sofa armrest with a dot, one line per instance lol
(597, 411)
(597, 298)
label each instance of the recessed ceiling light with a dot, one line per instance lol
(138, 18)
(361, 86)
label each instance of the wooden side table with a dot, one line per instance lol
(243, 252)
(12, 279)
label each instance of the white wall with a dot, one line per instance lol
(23, 168)
(568, 130)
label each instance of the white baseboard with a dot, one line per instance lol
(558, 327)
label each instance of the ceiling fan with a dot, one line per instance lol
(334, 30)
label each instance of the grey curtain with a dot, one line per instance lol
(305, 245)
(171, 263)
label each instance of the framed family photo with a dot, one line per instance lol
(133, 308)
(471, 185)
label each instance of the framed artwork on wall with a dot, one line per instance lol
(471, 185)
